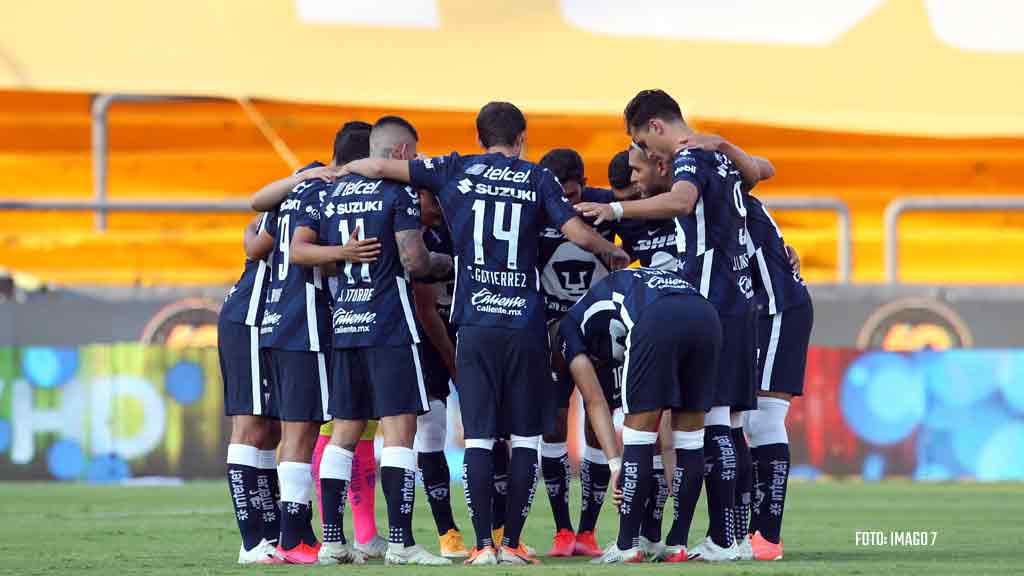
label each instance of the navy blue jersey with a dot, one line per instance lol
(373, 303)
(651, 242)
(568, 271)
(496, 207)
(298, 306)
(244, 301)
(778, 286)
(439, 241)
(715, 258)
(599, 324)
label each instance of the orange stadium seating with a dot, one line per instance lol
(212, 150)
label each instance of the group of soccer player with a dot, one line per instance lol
(374, 282)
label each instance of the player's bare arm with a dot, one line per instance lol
(679, 201)
(794, 258)
(258, 244)
(417, 260)
(750, 167)
(378, 168)
(585, 377)
(306, 251)
(268, 197)
(425, 299)
(582, 235)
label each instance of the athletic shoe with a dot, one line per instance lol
(452, 545)
(612, 555)
(262, 553)
(302, 553)
(374, 549)
(520, 555)
(482, 557)
(708, 551)
(765, 550)
(586, 545)
(415, 554)
(654, 551)
(674, 554)
(338, 553)
(745, 548)
(563, 544)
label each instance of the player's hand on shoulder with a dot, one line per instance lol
(325, 173)
(360, 250)
(794, 258)
(710, 142)
(599, 212)
(618, 259)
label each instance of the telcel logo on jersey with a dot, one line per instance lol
(360, 187)
(507, 175)
(486, 301)
(347, 321)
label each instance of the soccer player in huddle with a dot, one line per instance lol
(567, 272)
(252, 457)
(376, 366)
(666, 338)
(496, 206)
(706, 203)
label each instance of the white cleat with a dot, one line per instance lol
(613, 555)
(745, 549)
(262, 553)
(708, 551)
(338, 553)
(654, 551)
(415, 554)
(374, 549)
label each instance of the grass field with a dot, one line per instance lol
(77, 529)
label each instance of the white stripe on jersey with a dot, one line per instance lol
(594, 308)
(702, 239)
(680, 239)
(321, 364)
(705, 273)
(256, 378)
(424, 402)
(257, 283)
(410, 320)
(455, 290)
(766, 280)
(773, 347)
(628, 322)
(311, 323)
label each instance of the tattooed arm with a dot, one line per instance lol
(416, 259)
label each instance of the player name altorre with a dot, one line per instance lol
(503, 279)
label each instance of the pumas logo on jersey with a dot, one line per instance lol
(506, 174)
(476, 169)
(486, 301)
(348, 322)
(465, 185)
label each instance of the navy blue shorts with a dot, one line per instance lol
(782, 358)
(299, 383)
(435, 372)
(371, 383)
(504, 382)
(736, 385)
(246, 392)
(672, 356)
(564, 385)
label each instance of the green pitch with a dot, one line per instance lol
(76, 529)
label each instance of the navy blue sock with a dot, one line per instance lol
(556, 479)
(655, 505)
(687, 479)
(499, 495)
(270, 495)
(245, 497)
(594, 480)
(295, 525)
(635, 481)
(773, 476)
(437, 485)
(744, 483)
(333, 493)
(522, 485)
(720, 464)
(478, 483)
(399, 486)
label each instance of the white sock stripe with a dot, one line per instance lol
(767, 424)
(554, 449)
(243, 455)
(481, 443)
(268, 459)
(296, 482)
(736, 419)
(688, 440)
(530, 442)
(717, 416)
(398, 457)
(595, 455)
(336, 463)
(633, 437)
(431, 429)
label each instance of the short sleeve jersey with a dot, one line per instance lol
(778, 286)
(244, 301)
(296, 316)
(651, 242)
(373, 303)
(713, 251)
(496, 207)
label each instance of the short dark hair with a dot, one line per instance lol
(619, 172)
(649, 104)
(499, 124)
(397, 121)
(565, 163)
(352, 142)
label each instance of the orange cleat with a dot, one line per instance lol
(519, 555)
(765, 550)
(301, 554)
(674, 554)
(482, 556)
(586, 545)
(563, 544)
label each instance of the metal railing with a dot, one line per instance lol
(844, 248)
(900, 206)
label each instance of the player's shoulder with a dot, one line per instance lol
(602, 195)
(310, 166)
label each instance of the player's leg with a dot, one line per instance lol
(362, 495)
(318, 454)
(639, 434)
(431, 430)
(499, 491)
(594, 477)
(335, 476)
(744, 484)
(650, 533)
(270, 489)
(554, 462)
